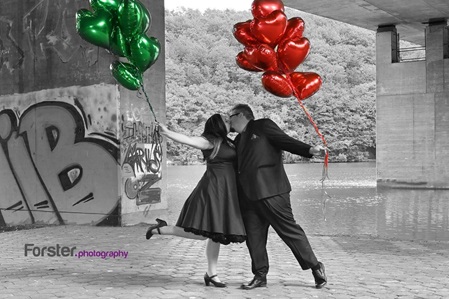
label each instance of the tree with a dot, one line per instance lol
(202, 78)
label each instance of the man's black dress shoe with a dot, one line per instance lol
(255, 283)
(320, 276)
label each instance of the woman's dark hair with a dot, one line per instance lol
(215, 131)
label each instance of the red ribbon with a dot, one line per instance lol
(325, 173)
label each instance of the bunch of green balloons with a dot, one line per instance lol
(120, 26)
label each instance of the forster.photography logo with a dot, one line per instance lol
(31, 250)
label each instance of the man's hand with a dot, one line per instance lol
(317, 150)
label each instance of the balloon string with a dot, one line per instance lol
(325, 172)
(156, 137)
(326, 198)
(156, 162)
(148, 101)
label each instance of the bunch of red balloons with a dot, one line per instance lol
(276, 46)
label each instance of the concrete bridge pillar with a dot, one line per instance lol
(413, 112)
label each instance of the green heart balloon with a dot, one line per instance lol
(94, 28)
(130, 18)
(118, 43)
(110, 6)
(126, 74)
(144, 51)
(146, 17)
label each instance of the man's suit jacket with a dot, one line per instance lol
(260, 169)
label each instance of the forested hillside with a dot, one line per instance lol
(202, 78)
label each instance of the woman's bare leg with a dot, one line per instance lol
(212, 252)
(179, 232)
(212, 248)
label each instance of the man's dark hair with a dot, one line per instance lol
(245, 109)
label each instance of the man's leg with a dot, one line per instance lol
(257, 234)
(277, 210)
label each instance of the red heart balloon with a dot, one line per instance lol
(262, 8)
(242, 33)
(262, 57)
(243, 62)
(291, 53)
(269, 30)
(305, 84)
(276, 84)
(295, 28)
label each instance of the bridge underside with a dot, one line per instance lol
(412, 97)
(409, 16)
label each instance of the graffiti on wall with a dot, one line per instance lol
(142, 160)
(52, 171)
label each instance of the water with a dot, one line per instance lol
(355, 206)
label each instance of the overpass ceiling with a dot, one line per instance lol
(409, 16)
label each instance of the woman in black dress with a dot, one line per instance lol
(212, 210)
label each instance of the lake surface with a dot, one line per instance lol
(349, 203)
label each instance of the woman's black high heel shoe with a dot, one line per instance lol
(160, 223)
(208, 279)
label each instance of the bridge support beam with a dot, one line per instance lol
(413, 112)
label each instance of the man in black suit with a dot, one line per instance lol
(265, 192)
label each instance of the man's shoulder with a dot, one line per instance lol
(264, 124)
(263, 121)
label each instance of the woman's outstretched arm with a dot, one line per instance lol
(193, 141)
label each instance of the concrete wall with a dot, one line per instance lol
(75, 146)
(412, 115)
(143, 196)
